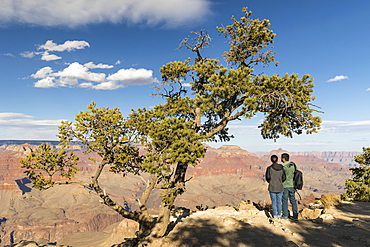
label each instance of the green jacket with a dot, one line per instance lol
(289, 172)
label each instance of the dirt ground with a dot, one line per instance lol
(349, 226)
(345, 226)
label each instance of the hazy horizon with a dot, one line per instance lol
(56, 142)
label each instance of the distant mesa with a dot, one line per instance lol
(277, 152)
(230, 147)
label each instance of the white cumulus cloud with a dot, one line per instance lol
(108, 85)
(78, 71)
(81, 12)
(29, 54)
(42, 73)
(46, 82)
(86, 85)
(338, 78)
(132, 76)
(67, 46)
(49, 57)
(91, 65)
(50, 46)
(80, 75)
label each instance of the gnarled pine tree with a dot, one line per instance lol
(219, 94)
(358, 188)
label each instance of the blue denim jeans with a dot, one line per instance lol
(276, 203)
(289, 193)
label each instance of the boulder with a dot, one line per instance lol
(318, 221)
(326, 217)
(178, 213)
(224, 209)
(247, 207)
(126, 229)
(311, 213)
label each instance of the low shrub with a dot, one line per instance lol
(330, 200)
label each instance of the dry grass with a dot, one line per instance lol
(330, 200)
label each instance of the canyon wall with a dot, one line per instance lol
(225, 176)
(339, 157)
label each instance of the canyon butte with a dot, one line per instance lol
(69, 213)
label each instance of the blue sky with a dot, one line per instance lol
(57, 57)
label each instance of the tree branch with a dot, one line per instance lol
(110, 203)
(73, 182)
(98, 172)
(146, 194)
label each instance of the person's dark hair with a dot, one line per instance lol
(274, 158)
(285, 156)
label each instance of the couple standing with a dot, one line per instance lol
(281, 186)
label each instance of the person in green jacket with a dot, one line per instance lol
(289, 191)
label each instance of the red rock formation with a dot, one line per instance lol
(226, 175)
(54, 230)
(10, 185)
(228, 160)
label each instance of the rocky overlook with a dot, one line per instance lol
(244, 226)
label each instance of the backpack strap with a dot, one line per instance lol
(300, 198)
(295, 167)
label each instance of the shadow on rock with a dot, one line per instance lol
(221, 232)
(348, 225)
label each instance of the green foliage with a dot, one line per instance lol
(358, 188)
(105, 132)
(100, 130)
(219, 94)
(47, 162)
(247, 38)
(285, 103)
(170, 141)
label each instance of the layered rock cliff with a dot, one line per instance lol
(51, 214)
(225, 176)
(342, 157)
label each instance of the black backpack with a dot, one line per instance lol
(297, 178)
